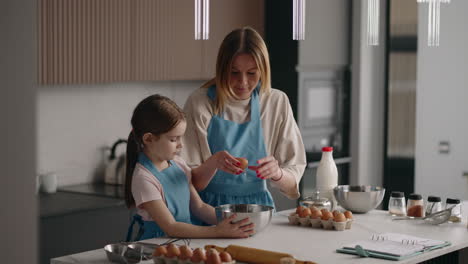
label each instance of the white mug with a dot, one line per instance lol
(49, 182)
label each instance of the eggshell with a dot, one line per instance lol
(243, 163)
(313, 208)
(199, 254)
(160, 251)
(340, 217)
(316, 214)
(173, 251)
(304, 213)
(185, 252)
(299, 209)
(225, 257)
(327, 216)
(348, 214)
(212, 257)
(324, 211)
(335, 212)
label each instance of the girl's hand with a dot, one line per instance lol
(224, 161)
(241, 229)
(268, 168)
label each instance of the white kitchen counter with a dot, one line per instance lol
(318, 245)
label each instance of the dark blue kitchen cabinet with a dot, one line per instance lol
(73, 222)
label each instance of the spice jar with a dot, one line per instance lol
(397, 204)
(415, 205)
(456, 210)
(434, 204)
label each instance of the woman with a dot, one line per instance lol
(238, 114)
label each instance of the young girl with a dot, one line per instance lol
(158, 181)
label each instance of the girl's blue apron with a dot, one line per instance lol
(177, 194)
(240, 140)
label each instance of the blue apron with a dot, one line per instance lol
(177, 194)
(240, 140)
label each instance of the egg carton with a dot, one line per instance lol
(176, 255)
(329, 224)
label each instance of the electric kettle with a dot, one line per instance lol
(115, 168)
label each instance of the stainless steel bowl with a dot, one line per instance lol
(260, 215)
(358, 198)
(127, 252)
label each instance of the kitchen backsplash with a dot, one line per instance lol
(77, 123)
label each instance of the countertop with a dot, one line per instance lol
(318, 245)
(79, 198)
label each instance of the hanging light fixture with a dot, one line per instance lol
(298, 19)
(433, 24)
(373, 11)
(202, 19)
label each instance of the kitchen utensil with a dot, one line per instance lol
(260, 215)
(257, 256)
(115, 168)
(317, 201)
(121, 253)
(435, 218)
(358, 198)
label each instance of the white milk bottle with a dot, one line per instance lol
(327, 175)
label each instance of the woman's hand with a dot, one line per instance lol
(268, 168)
(241, 229)
(224, 161)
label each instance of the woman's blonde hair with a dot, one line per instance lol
(240, 41)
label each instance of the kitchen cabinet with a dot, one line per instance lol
(72, 223)
(123, 40)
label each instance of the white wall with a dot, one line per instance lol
(77, 123)
(18, 214)
(442, 104)
(367, 100)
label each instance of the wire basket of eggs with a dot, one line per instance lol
(313, 217)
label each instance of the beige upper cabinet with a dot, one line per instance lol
(95, 41)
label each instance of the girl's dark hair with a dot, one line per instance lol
(156, 114)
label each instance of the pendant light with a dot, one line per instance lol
(373, 10)
(202, 19)
(433, 24)
(298, 19)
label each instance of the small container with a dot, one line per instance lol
(415, 205)
(317, 201)
(397, 204)
(434, 204)
(456, 210)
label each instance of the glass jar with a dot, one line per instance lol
(434, 204)
(397, 204)
(456, 210)
(415, 205)
(317, 201)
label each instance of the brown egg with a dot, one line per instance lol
(160, 251)
(225, 257)
(313, 208)
(299, 209)
(327, 215)
(212, 257)
(198, 255)
(348, 214)
(335, 212)
(340, 217)
(304, 213)
(185, 252)
(173, 251)
(316, 214)
(243, 163)
(324, 210)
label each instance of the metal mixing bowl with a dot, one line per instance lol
(359, 198)
(260, 215)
